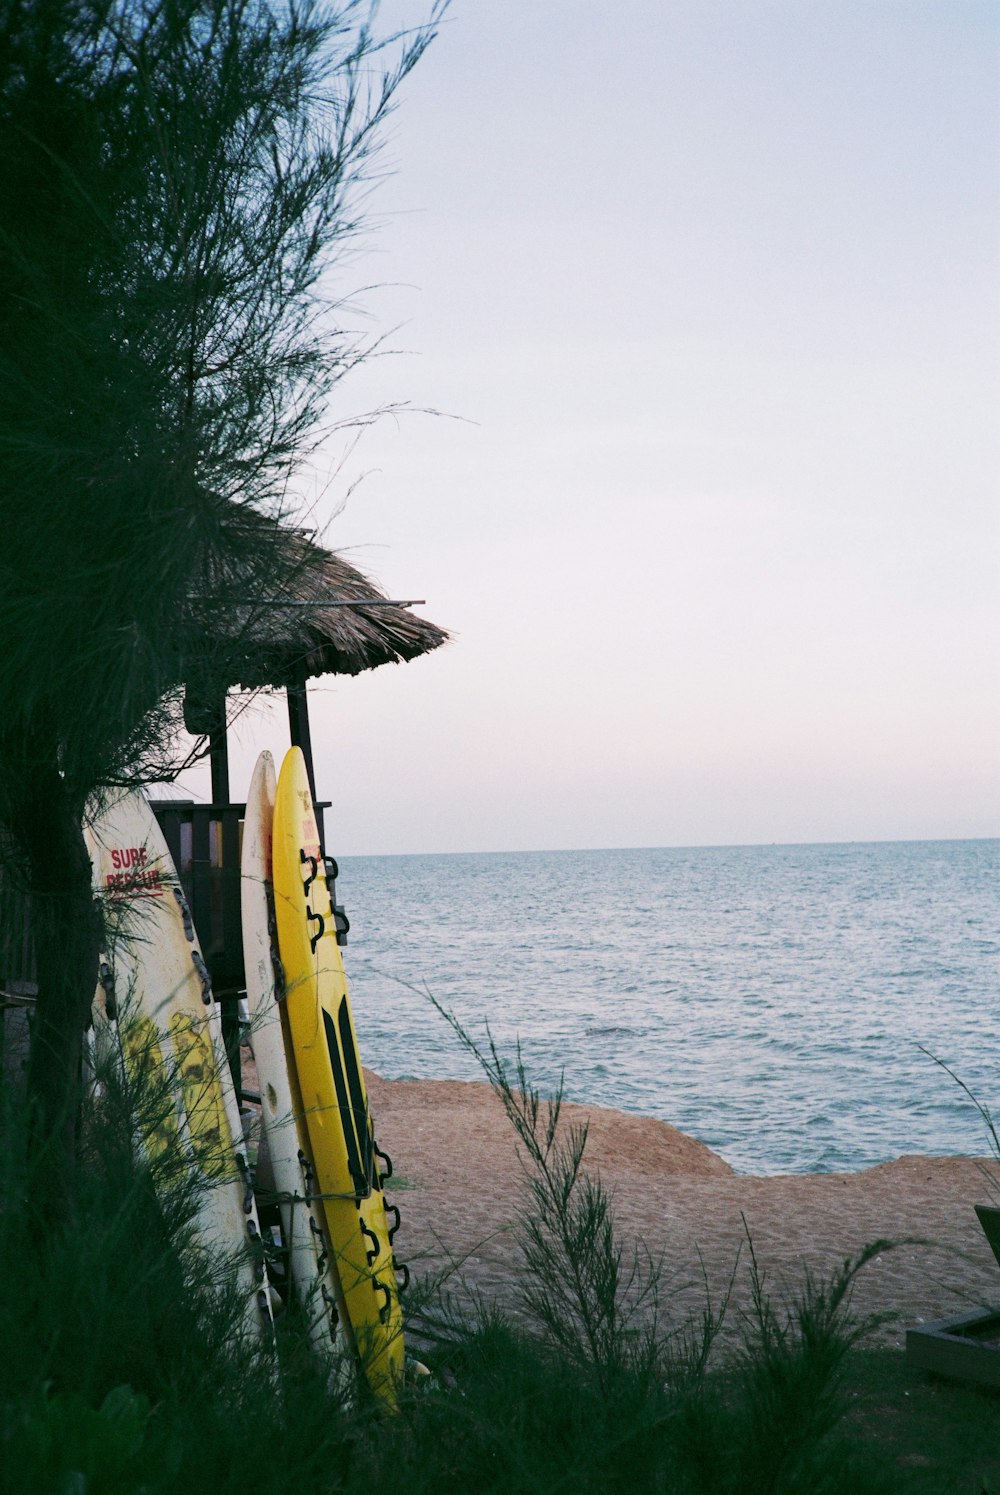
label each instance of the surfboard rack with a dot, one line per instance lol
(386, 1162)
(340, 920)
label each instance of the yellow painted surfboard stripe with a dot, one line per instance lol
(202, 1095)
(144, 1063)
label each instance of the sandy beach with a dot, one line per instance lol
(461, 1189)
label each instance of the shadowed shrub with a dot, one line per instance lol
(126, 1367)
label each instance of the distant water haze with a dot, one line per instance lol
(770, 1001)
(711, 289)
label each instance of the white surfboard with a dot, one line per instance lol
(101, 1047)
(168, 1027)
(310, 1260)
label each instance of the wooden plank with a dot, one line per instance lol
(298, 727)
(232, 925)
(201, 878)
(954, 1347)
(989, 1219)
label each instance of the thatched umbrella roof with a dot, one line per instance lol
(284, 621)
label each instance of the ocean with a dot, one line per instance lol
(773, 1001)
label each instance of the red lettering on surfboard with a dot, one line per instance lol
(123, 857)
(136, 880)
(310, 837)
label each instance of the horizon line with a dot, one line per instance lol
(683, 846)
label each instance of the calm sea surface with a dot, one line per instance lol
(768, 1000)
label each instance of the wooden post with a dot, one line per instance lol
(205, 716)
(218, 753)
(298, 726)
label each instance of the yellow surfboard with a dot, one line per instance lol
(325, 1059)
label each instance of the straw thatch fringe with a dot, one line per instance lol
(264, 643)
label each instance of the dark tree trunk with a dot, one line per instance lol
(66, 932)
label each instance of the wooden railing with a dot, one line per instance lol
(205, 842)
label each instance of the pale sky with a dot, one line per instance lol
(713, 290)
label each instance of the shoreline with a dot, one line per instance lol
(599, 1109)
(460, 1189)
